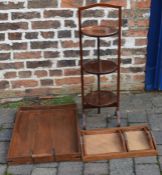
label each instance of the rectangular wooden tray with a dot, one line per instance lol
(44, 134)
(124, 142)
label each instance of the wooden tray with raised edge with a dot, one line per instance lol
(124, 142)
(45, 134)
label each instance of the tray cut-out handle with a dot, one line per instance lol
(153, 139)
(43, 155)
(149, 138)
(124, 140)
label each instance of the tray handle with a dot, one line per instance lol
(149, 138)
(123, 140)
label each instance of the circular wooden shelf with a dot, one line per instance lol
(100, 67)
(100, 98)
(99, 31)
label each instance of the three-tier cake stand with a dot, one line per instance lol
(100, 98)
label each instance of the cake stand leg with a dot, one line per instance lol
(98, 76)
(84, 123)
(118, 117)
(99, 110)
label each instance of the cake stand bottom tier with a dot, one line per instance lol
(100, 99)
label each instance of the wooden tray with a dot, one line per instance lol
(125, 142)
(44, 134)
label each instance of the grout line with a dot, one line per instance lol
(108, 163)
(134, 166)
(83, 168)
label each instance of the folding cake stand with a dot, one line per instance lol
(98, 67)
(51, 133)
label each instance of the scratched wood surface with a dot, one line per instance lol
(43, 134)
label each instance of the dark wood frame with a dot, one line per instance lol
(81, 33)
